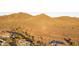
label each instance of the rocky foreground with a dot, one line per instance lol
(21, 29)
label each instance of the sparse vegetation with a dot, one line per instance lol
(72, 42)
(19, 39)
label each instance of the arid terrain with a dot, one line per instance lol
(22, 29)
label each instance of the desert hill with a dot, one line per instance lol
(13, 21)
(42, 26)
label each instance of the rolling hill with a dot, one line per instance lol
(42, 27)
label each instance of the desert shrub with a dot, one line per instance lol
(22, 42)
(3, 43)
(13, 43)
(75, 43)
(72, 42)
(68, 41)
(38, 43)
(18, 36)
